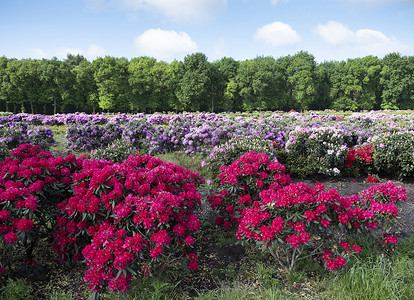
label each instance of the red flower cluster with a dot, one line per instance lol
(31, 183)
(123, 214)
(372, 179)
(242, 182)
(363, 155)
(297, 215)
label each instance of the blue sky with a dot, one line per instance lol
(171, 29)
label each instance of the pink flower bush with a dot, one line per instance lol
(124, 214)
(241, 183)
(290, 219)
(31, 183)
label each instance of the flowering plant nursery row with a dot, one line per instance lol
(127, 219)
(307, 144)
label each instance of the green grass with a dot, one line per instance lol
(187, 162)
(376, 278)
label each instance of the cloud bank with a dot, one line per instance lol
(165, 44)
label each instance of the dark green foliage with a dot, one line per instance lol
(118, 151)
(144, 84)
(394, 154)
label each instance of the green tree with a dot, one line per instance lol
(396, 82)
(195, 84)
(229, 92)
(74, 60)
(25, 85)
(85, 88)
(323, 72)
(355, 84)
(301, 79)
(57, 84)
(111, 77)
(260, 84)
(4, 99)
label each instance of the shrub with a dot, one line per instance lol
(298, 219)
(230, 151)
(138, 133)
(394, 154)
(32, 182)
(242, 181)
(124, 218)
(15, 134)
(317, 150)
(117, 151)
(291, 220)
(359, 160)
(90, 136)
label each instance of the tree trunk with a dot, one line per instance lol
(54, 106)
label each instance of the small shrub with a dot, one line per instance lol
(312, 151)
(394, 154)
(118, 151)
(293, 221)
(230, 151)
(241, 183)
(16, 290)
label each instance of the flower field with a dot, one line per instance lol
(87, 190)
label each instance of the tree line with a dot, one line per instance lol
(143, 84)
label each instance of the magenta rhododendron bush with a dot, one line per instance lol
(124, 216)
(294, 221)
(242, 181)
(121, 219)
(31, 183)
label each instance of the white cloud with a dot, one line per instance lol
(277, 34)
(179, 11)
(165, 44)
(366, 41)
(94, 51)
(335, 33)
(38, 53)
(64, 51)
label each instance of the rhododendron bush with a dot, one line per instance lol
(242, 181)
(121, 219)
(125, 217)
(32, 182)
(294, 221)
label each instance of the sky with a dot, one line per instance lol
(171, 29)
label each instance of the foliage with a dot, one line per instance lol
(15, 290)
(118, 151)
(394, 153)
(144, 84)
(230, 151)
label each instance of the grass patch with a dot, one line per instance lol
(187, 162)
(376, 278)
